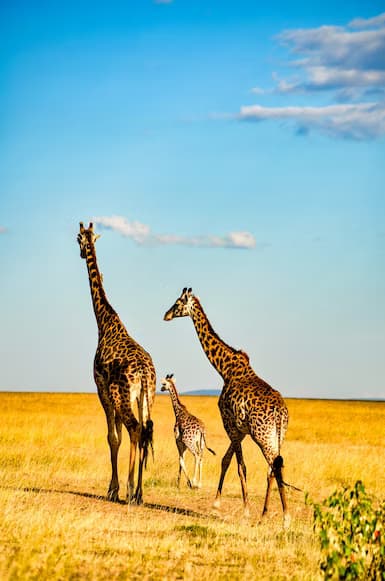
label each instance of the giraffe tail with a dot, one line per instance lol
(278, 461)
(209, 449)
(147, 434)
(277, 470)
(147, 440)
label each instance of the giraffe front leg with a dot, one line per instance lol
(182, 466)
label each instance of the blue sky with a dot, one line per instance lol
(237, 148)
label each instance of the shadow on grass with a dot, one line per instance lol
(177, 510)
(152, 506)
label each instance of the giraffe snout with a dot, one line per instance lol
(168, 315)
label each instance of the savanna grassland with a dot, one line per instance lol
(55, 470)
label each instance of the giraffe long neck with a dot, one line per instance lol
(221, 356)
(102, 307)
(176, 404)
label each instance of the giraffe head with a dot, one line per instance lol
(166, 382)
(182, 306)
(86, 237)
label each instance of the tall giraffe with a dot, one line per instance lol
(248, 405)
(125, 377)
(190, 434)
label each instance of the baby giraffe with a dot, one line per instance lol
(190, 433)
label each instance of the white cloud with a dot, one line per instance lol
(345, 63)
(337, 46)
(321, 78)
(368, 22)
(241, 239)
(360, 121)
(258, 91)
(335, 57)
(141, 234)
(135, 230)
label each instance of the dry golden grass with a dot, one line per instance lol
(54, 469)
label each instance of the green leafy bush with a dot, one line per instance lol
(350, 526)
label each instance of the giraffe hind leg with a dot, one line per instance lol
(115, 441)
(138, 496)
(242, 477)
(270, 477)
(225, 464)
(131, 468)
(196, 481)
(275, 471)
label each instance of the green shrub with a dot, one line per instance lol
(350, 527)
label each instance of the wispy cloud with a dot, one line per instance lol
(335, 57)
(2, 229)
(376, 21)
(346, 64)
(361, 121)
(142, 235)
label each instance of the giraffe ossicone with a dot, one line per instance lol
(248, 405)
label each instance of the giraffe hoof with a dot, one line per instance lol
(246, 513)
(113, 495)
(136, 499)
(286, 521)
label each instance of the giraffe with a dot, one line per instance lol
(248, 405)
(190, 434)
(125, 378)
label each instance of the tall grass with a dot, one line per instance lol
(54, 474)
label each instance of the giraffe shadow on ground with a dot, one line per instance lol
(178, 510)
(149, 505)
(38, 490)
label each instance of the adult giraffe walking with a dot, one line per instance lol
(125, 377)
(248, 404)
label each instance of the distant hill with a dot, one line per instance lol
(202, 392)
